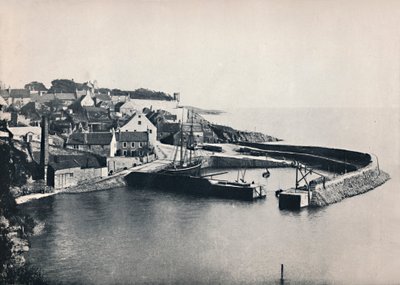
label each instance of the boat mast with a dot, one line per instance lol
(191, 140)
(181, 158)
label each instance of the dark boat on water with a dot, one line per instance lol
(266, 174)
(197, 185)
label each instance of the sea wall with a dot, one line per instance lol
(348, 185)
(328, 159)
(103, 184)
(362, 172)
(216, 161)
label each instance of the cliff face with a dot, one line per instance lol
(229, 135)
(14, 227)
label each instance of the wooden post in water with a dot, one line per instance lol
(281, 273)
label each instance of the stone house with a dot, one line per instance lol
(138, 122)
(101, 143)
(69, 170)
(133, 144)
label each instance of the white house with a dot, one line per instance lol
(139, 123)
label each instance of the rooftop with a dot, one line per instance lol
(132, 136)
(98, 138)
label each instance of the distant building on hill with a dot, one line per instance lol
(133, 105)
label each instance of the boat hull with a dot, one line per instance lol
(193, 170)
(198, 186)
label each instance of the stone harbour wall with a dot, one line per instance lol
(243, 162)
(348, 185)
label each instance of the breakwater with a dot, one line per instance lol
(358, 172)
(329, 159)
(348, 185)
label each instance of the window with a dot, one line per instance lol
(140, 116)
(139, 122)
(71, 175)
(124, 144)
(133, 144)
(150, 131)
(140, 144)
(124, 152)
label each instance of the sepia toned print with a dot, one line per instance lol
(199, 142)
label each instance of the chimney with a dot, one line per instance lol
(14, 119)
(44, 148)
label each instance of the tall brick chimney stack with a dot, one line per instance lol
(44, 148)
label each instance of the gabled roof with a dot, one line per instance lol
(19, 93)
(90, 138)
(21, 131)
(132, 136)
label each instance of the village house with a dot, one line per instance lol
(98, 119)
(132, 105)
(70, 170)
(134, 144)
(16, 97)
(101, 143)
(138, 122)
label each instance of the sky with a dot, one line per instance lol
(217, 54)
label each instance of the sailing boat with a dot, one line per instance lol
(183, 167)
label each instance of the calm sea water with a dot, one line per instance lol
(129, 235)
